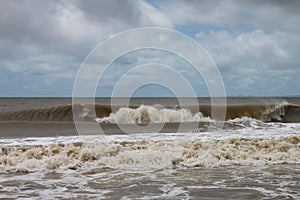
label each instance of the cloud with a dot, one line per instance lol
(131, 12)
(194, 12)
(234, 14)
(51, 38)
(69, 26)
(252, 50)
(271, 16)
(251, 60)
(43, 43)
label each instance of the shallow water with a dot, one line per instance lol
(234, 182)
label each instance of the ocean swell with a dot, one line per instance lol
(145, 114)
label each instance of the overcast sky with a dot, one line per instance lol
(255, 44)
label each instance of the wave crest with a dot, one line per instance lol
(146, 114)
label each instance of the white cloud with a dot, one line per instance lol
(253, 62)
(268, 16)
(151, 16)
(251, 52)
(203, 12)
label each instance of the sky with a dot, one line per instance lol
(255, 44)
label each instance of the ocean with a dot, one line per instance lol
(155, 148)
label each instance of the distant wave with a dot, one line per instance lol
(283, 112)
(60, 113)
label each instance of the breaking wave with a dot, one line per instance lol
(152, 114)
(283, 112)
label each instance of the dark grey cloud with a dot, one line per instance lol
(55, 26)
(64, 27)
(126, 11)
(273, 15)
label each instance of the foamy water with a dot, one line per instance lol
(170, 165)
(243, 142)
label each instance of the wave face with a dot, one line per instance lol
(144, 154)
(154, 114)
(60, 113)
